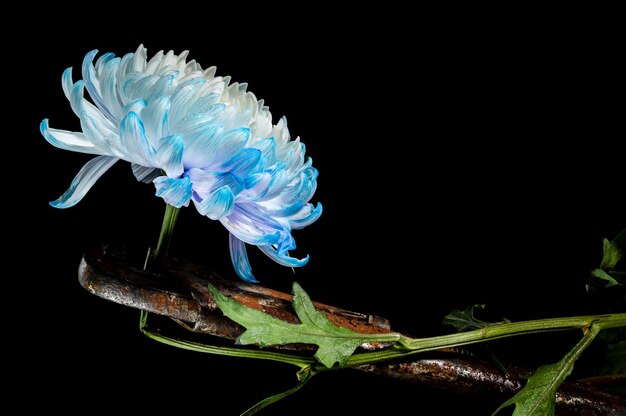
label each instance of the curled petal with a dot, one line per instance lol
(218, 204)
(248, 231)
(239, 257)
(307, 215)
(67, 140)
(175, 191)
(283, 259)
(84, 180)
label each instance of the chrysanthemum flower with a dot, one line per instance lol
(198, 139)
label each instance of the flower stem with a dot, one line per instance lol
(300, 361)
(409, 346)
(167, 229)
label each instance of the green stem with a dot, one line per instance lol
(302, 362)
(409, 346)
(167, 229)
(304, 376)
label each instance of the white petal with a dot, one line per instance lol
(84, 180)
(67, 140)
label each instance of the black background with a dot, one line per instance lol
(461, 161)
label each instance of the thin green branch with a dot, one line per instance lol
(296, 360)
(409, 346)
(304, 376)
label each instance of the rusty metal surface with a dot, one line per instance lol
(476, 377)
(181, 293)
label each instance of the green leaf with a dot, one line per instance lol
(336, 344)
(465, 320)
(602, 275)
(611, 254)
(538, 397)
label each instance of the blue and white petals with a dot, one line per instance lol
(306, 216)
(134, 140)
(82, 183)
(283, 259)
(218, 204)
(170, 155)
(197, 137)
(67, 140)
(239, 257)
(176, 192)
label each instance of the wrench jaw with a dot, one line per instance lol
(181, 293)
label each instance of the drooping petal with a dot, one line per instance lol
(133, 138)
(84, 180)
(175, 191)
(283, 259)
(239, 257)
(307, 215)
(218, 204)
(246, 230)
(145, 174)
(67, 140)
(170, 155)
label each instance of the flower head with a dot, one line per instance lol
(198, 139)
